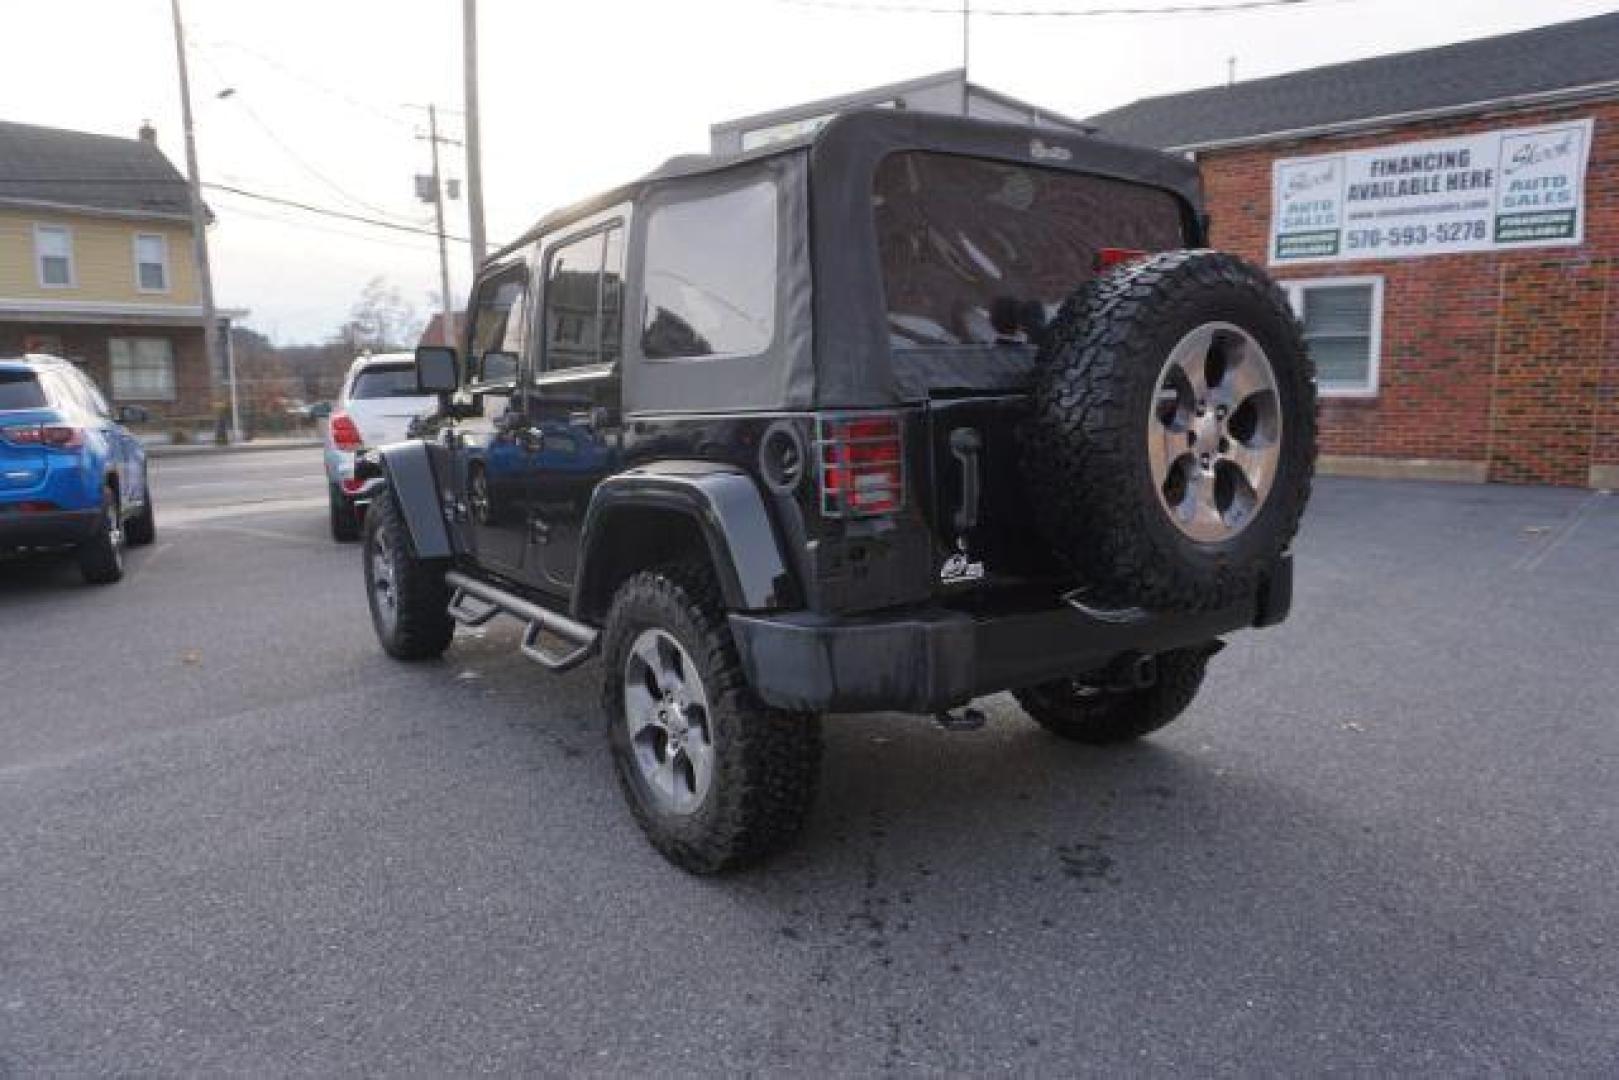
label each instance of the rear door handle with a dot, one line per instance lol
(965, 444)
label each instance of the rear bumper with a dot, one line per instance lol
(46, 528)
(344, 472)
(934, 658)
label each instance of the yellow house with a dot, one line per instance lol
(97, 265)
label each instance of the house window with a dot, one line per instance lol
(1343, 327)
(53, 251)
(151, 262)
(142, 369)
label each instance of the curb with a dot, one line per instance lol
(157, 450)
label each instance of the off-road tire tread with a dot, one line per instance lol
(1120, 715)
(1082, 448)
(767, 765)
(424, 628)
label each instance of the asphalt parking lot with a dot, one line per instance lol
(234, 837)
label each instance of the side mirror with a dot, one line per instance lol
(436, 369)
(321, 410)
(133, 414)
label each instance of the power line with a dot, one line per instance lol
(297, 159)
(418, 246)
(330, 91)
(308, 208)
(1050, 13)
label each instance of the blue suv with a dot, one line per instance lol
(71, 476)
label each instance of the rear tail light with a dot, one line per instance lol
(862, 464)
(345, 435)
(1111, 257)
(55, 436)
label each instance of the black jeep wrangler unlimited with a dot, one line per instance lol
(910, 411)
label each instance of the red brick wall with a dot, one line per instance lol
(1506, 358)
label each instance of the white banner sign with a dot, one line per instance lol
(1505, 189)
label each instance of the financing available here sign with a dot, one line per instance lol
(1523, 187)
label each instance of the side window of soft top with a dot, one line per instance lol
(584, 299)
(499, 329)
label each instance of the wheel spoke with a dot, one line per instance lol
(1254, 462)
(640, 709)
(701, 761)
(1165, 445)
(1192, 357)
(647, 656)
(1246, 374)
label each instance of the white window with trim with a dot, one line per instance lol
(142, 369)
(1343, 327)
(151, 262)
(53, 256)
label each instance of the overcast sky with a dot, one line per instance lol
(580, 95)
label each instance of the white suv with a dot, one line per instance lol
(378, 401)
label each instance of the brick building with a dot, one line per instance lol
(1447, 224)
(96, 266)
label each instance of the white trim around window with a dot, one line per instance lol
(161, 247)
(1365, 386)
(61, 249)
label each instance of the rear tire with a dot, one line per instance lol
(345, 516)
(1099, 715)
(715, 779)
(101, 558)
(408, 596)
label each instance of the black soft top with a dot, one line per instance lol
(832, 346)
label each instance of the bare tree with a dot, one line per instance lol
(381, 320)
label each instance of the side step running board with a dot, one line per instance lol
(476, 602)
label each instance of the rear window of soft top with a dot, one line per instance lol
(981, 252)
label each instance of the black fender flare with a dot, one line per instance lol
(729, 512)
(408, 467)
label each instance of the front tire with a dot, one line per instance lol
(1089, 713)
(101, 558)
(714, 778)
(410, 601)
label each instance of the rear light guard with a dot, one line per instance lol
(861, 458)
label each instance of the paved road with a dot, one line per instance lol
(235, 838)
(201, 487)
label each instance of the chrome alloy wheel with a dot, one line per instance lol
(669, 721)
(1214, 436)
(384, 585)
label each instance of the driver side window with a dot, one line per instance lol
(499, 330)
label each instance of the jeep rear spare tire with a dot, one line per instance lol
(1174, 432)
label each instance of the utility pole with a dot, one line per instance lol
(447, 330)
(469, 44)
(199, 235)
